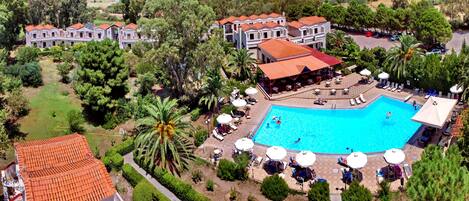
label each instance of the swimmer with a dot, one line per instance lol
(278, 122)
(268, 125)
(414, 103)
(274, 118)
(298, 140)
(388, 115)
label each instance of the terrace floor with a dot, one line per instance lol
(326, 165)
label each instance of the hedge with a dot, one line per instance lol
(144, 191)
(181, 189)
(195, 114)
(131, 175)
(113, 161)
(123, 148)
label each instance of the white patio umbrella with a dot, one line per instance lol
(305, 158)
(244, 144)
(456, 89)
(383, 76)
(357, 160)
(394, 156)
(239, 103)
(276, 153)
(365, 72)
(224, 118)
(250, 91)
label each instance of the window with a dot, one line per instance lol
(72, 43)
(266, 35)
(81, 34)
(278, 33)
(90, 35)
(128, 36)
(99, 35)
(53, 43)
(43, 35)
(35, 44)
(315, 30)
(34, 35)
(44, 44)
(304, 32)
(71, 34)
(251, 36)
(53, 34)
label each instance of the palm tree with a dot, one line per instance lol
(162, 140)
(212, 90)
(399, 56)
(242, 64)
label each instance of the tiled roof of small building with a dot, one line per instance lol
(131, 26)
(258, 26)
(231, 19)
(307, 21)
(39, 27)
(77, 26)
(62, 168)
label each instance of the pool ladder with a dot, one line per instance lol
(334, 106)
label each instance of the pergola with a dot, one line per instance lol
(435, 112)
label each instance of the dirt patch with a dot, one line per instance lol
(123, 187)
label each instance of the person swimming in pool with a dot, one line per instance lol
(298, 140)
(388, 115)
(268, 125)
(279, 122)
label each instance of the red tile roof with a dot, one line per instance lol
(258, 26)
(104, 26)
(283, 49)
(231, 19)
(307, 21)
(118, 24)
(39, 27)
(292, 67)
(331, 60)
(62, 168)
(77, 26)
(131, 26)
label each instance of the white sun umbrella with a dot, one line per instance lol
(244, 144)
(224, 118)
(394, 156)
(383, 76)
(239, 103)
(276, 153)
(305, 158)
(456, 89)
(357, 160)
(365, 72)
(250, 91)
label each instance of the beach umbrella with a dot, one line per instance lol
(305, 158)
(224, 118)
(365, 72)
(456, 89)
(250, 91)
(276, 153)
(383, 76)
(357, 160)
(394, 156)
(239, 103)
(244, 144)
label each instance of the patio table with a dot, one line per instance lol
(328, 84)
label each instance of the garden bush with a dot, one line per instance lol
(131, 175)
(384, 192)
(210, 185)
(227, 170)
(64, 69)
(319, 191)
(201, 134)
(356, 192)
(30, 73)
(144, 191)
(227, 109)
(75, 121)
(113, 161)
(195, 114)
(123, 148)
(275, 188)
(27, 54)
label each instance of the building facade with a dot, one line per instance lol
(45, 36)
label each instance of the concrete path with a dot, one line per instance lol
(129, 158)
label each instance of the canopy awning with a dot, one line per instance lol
(292, 67)
(435, 112)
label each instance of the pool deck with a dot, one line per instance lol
(326, 164)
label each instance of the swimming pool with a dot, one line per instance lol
(333, 131)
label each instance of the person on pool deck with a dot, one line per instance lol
(414, 103)
(298, 140)
(388, 115)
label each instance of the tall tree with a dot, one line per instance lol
(13, 15)
(162, 140)
(102, 77)
(359, 15)
(439, 176)
(132, 9)
(61, 13)
(243, 64)
(431, 27)
(399, 56)
(212, 90)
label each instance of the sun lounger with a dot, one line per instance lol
(352, 102)
(358, 101)
(232, 126)
(217, 136)
(394, 87)
(386, 86)
(407, 98)
(362, 98)
(391, 85)
(258, 161)
(407, 170)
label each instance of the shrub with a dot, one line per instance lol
(64, 69)
(356, 192)
(384, 192)
(16, 104)
(75, 121)
(113, 161)
(131, 175)
(56, 53)
(146, 82)
(200, 136)
(30, 73)
(197, 176)
(195, 114)
(27, 54)
(227, 109)
(144, 191)
(210, 185)
(124, 147)
(226, 170)
(319, 191)
(274, 188)
(234, 194)
(251, 198)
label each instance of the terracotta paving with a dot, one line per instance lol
(326, 165)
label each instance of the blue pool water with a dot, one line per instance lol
(332, 131)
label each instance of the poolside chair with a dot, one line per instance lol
(395, 87)
(362, 98)
(358, 101)
(352, 102)
(232, 126)
(407, 98)
(217, 136)
(440, 94)
(391, 84)
(400, 88)
(386, 86)
(258, 161)
(407, 170)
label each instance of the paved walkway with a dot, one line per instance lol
(129, 158)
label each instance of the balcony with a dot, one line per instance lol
(13, 186)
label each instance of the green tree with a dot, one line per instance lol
(61, 13)
(275, 188)
(212, 90)
(29, 73)
(399, 56)
(13, 16)
(400, 3)
(439, 176)
(5, 143)
(356, 192)
(243, 64)
(75, 121)
(64, 69)
(163, 140)
(359, 15)
(102, 77)
(384, 192)
(431, 27)
(132, 9)
(27, 54)
(319, 191)
(146, 82)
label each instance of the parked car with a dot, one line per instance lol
(434, 51)
(377, 35)
(394, 37)
(368, 34)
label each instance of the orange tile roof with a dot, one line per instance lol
(62, 168)
(292, 67)
(118, 24)
(231, 19)
(258, 26)
(307, 21)
(456, 131)
(104, 26)
(39, 27)
(283, 49)
(77, 26)
(131, 26)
